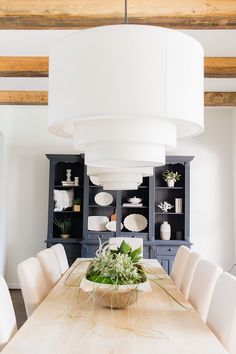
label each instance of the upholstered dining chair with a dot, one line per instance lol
(205, 277)
(33, 283)
(50, 266)
(7, 315)
(221, 318)
(134, 242)
(60, 253)
(179, 265)
(189, 272)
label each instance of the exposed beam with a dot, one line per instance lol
(38, 67)
(77, 14)
(23, 66)
(220, 67)
(184, 14)
(60, 14)
(23, 98)
(222, 99)
(216, 99)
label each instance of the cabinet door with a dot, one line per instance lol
(166, 262)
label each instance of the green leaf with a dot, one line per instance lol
(136, 255)
(99, 279)
(124, 248)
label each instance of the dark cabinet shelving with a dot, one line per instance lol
(153, 191)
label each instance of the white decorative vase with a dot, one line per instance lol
(170, 183)
(165, 231)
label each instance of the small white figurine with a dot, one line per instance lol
(68, 175)
(165, 206)
(76, 181)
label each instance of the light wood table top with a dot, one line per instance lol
(69, 322)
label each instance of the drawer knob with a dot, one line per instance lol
(170, 249)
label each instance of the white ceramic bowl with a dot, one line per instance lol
(134, 200)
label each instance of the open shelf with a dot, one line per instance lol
(66, 187)
(102, 206)
(64, 240)
(169, 188)
(68, 212)
(133, 207)
(160, 213)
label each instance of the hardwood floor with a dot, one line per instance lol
(19, 307)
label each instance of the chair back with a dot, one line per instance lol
(7, 315)
(189, 271)
(205, 277)
(179, 265)
(60, 253)
(33, 283)
(50, 266)
(221, 317)
(134, 242)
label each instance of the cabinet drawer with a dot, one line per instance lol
(167, 249)
(143, 235)
(91, 250)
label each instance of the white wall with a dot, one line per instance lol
(211, 186)
(5, 136)
(28, 177)
(234, 183)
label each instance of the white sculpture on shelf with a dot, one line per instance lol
(165, 206)
(68, 175)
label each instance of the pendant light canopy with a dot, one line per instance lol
(126, 93)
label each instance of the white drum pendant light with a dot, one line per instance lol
(119, 179)
(125, 93)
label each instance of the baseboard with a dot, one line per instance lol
(13, 285)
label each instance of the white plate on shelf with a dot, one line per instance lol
(111, 226)
(103, 198)
(97, 223)
(135, 222)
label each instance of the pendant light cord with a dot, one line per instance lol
(126, 12)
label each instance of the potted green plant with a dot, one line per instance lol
(171, 177)
(64, 227)
(76, 204)
(116, 276)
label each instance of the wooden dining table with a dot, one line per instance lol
(70, 321)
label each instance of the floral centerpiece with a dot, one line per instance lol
(117, 276)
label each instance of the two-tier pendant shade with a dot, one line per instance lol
(125, 94)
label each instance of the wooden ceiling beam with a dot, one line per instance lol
(220, 67)
(212, 99)
(220, 99)
(74, 14)
(23, 66)
(215, 67)
(34, 98)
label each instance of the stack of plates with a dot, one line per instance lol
(97, 223)
(68, 183)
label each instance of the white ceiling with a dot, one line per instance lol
(38, 43)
